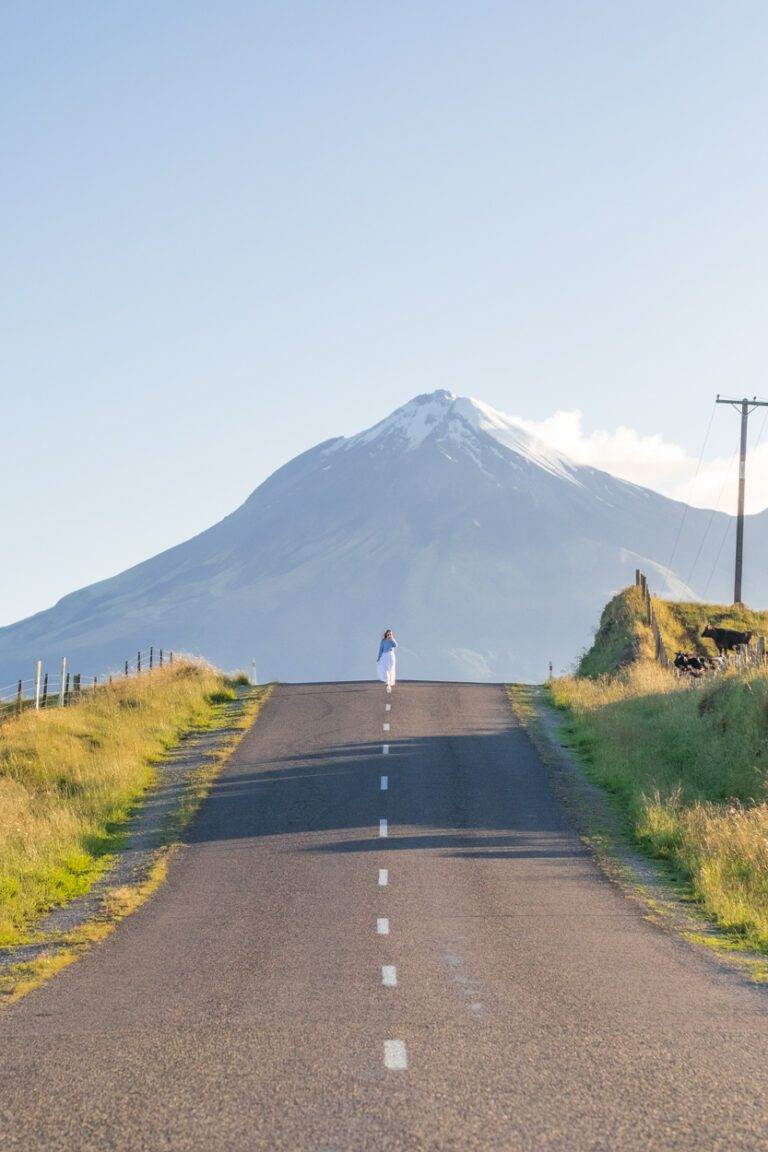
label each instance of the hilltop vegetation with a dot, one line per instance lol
(70, 776)
(686, 761)
(624, 636)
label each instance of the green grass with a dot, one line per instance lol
(623, 636)
(687, 763)
(69, 778)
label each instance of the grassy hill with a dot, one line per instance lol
(624, 635)
(686, 761)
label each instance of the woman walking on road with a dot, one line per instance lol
(385, 661)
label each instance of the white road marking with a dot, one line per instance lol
(384, 783)
(383, 877)
(385, 749)
(395, 1056)
(387, 707)
(385, 727)
(382, 926)
(389, 975)
(383, 828)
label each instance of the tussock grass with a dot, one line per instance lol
(69, 778)
(688, 763)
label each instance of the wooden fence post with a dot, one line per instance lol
(63, 679)
(138, 664)
(161, 657)
(171, 660)
(18, 698)
(45, 691)
(66, 690)
(38, 679)
(151, 656)
(126, 667)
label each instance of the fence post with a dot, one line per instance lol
(126, 667)
(161, 657)
(38, 679)
(151, 656)
(171, 660)
(45, 691)
(138, 664)
(18, 698)
(63, 678)
(76, 685)
(66, 690)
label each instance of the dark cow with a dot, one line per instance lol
(693, 665)
(726, 639)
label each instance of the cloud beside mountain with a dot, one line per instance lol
(657, 463)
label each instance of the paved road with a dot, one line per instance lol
(255, 1002)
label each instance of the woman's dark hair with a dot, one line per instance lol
(388, 632)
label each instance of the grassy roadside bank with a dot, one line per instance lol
(686, 764)
(70, 777)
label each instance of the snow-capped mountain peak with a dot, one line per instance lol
(489, 553)
(459, 420)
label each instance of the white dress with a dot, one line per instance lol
(387, 668)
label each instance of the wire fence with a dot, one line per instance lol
(57, 688)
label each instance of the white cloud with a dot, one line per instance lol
(656, 463)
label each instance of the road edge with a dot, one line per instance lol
(663, 900)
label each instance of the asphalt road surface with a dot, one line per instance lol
(362, 949)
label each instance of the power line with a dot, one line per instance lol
(691, 487)
(713, 513)
(745, 407)
(755, 447)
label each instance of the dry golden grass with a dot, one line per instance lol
(69, 777)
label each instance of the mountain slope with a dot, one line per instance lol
(486, 551)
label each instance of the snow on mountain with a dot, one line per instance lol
(488, 552)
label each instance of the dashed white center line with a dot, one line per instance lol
(383, 877)
(387, 707)
(395, 1056)
(389, 975)
(383, 828)
(382, 926)
(385, 749)
(385, 727)
(384, 783)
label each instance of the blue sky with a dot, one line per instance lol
(230, 231)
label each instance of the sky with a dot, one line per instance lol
(229, 231)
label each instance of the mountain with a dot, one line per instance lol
(486, 551)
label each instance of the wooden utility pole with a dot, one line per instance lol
(746, 408)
